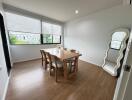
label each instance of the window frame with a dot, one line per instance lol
(41, 34)
(22, 32)
(52, 40)
(51, 34)
(41, 40)
(59, 42)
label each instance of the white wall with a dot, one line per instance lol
(91, 34)
(3, 70)
(27, 52)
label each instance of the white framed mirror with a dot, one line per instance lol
(114, 53)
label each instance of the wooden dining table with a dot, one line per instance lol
(63, 55)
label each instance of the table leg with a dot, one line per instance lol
(77, 65)
(65, 69)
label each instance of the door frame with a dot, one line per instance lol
(124, 75)
(5, 44)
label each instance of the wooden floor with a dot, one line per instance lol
(29, 81)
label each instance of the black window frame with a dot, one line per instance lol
(41, 39)
(52, 39)
(22, 32)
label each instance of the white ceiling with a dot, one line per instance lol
(63, 10)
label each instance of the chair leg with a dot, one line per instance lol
(42, 61)
(70, 65)
(45, 65)
(50, 71)
(56, 74)
(77, 66)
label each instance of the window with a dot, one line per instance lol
(56, 38)
(24, 38)
(51, 33)
(23, 30)
(47, 38)
(27, 30)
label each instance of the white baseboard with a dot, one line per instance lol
(5, 90)
(23, 60)
(86, 60)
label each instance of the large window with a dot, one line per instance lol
(24, 38)
(51, 33)
(23, 30)
(27, 30)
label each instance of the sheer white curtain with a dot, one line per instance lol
(21, 23)
(23, 29)
(51, 32)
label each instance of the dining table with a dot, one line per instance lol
(63, 55)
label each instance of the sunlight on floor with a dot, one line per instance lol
(29, 78)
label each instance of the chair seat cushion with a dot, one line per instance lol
(70, 60)
(59, 64)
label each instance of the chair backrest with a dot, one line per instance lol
(48, 56)
(75, 64)
(72, 50)
(59, 46)
(75, 59)
(43, 53)
(51, 58)
(65, 48)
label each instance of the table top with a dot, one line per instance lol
(61, 53)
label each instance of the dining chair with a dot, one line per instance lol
(55, 64)
(71, 61)
(65, 48)
(44, 58)
(73, 65)
(59, 46)
(73, 50)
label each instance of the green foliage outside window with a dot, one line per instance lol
(14, 40)
(47, 38)
(24, 38)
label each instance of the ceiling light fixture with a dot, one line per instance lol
(76, 11)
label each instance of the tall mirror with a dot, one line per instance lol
(114, 54)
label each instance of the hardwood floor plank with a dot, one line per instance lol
(29, 81)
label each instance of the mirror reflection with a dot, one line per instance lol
(117, 39)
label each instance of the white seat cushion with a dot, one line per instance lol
(59, 64)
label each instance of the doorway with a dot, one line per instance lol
(5, 44)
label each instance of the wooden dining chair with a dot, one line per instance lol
(65, 48)
(59, 46)
(72, 59)
(73, 50)
(45, 60)
(72, 62)
(55, 64)
(74, 65)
